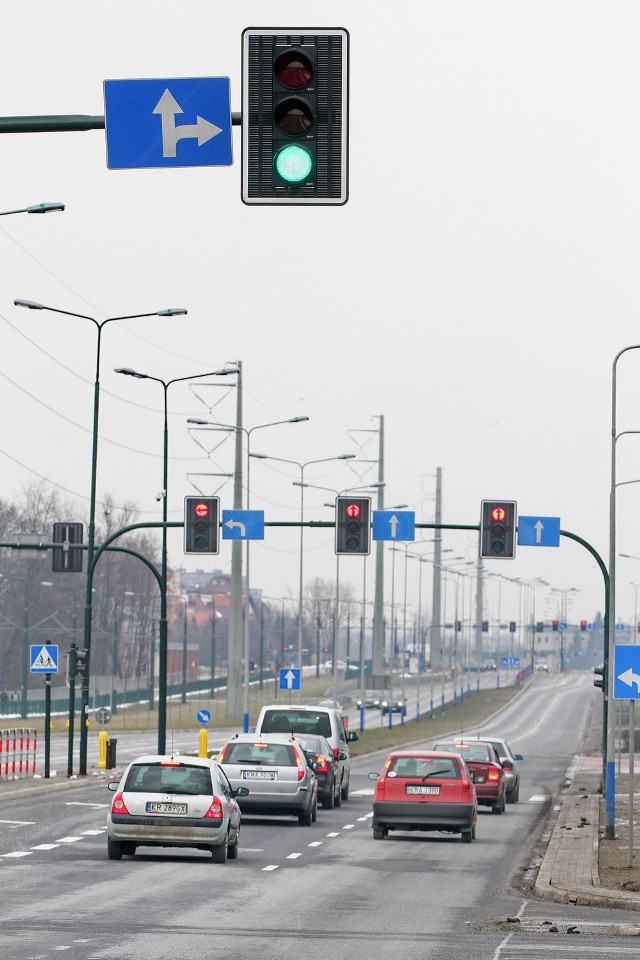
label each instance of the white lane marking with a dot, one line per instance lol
(93, 833)
(66, 947)
(252, 849)
(348, 826)
(84, 803)
(335, 834)
(45, 846)
(18, 853)
(272, 866)
(538, 798)
(19, 823)
(365, 792)
(294, 856)
(316, 843)
(68, 839)
(362, 819)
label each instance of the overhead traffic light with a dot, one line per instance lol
(512, 626)
(353, 526)
(555, 624)
(497, 529)
(600, 676)
(65, 560)
(201, 525)
(583, 625)
(539, 626)
(295, 116)
(485, 626)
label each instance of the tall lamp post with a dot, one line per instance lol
(99, 326)
(246, 636)
(302, 467)
(162, 640)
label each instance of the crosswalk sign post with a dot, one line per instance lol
(44, 659)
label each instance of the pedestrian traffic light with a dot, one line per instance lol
(497, 529)
(82, 662)
(201, 525)
(295, 116)
(600, 676)
(583, 625)
(353, 526)
(64, 559)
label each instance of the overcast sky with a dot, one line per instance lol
(474, 289)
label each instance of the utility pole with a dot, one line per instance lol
(436, 629)
(377, 653)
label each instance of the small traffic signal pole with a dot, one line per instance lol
(47, 722)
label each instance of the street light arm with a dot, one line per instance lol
(35, 208)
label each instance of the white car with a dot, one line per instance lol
(174, 801)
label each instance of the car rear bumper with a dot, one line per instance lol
(176, 831)
(487, 793)
(424, 816)
(274, 803)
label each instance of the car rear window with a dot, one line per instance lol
(423, 767)
(478, 753)
(269, 754)
(168, 778)
(296, 721)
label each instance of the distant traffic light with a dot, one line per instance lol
(485, 626)
(295, 116)
(353, 526)
(497, 529)
(539, 626)
(583, 625)
(512, 626)
(555, 624)
(63, 559)
(201, 525)
(600, 678)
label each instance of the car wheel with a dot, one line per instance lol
(466, 835)
(379, 833)
(499, 806)
(128, 849)
(232, 848)
(473, 832)
(305, 819)
(328, 803)
(516, 795)
(314, 812)
(344, 792)
(338, 796)
(219, 852)
(114, 849)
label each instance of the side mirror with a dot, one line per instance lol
(341, 755)
(352, 735)
(113, 785)
(518, 756)
(374, 776)
(240, 792)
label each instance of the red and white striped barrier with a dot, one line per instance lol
(17, 753)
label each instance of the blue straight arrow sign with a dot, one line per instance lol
(289, 678)
(539, 531)
(394, 525)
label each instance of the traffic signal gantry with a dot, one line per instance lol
(202, 525)
(295, 116)
(498, 529)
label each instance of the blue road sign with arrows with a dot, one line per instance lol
(182, 122)
(243, 524)
(203, 716)
(626, 672)
(538, 531)
(44, 657)
(289, 678)
(394, 525)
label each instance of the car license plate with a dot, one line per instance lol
(157, 807)
(258, 774)
(422, 790)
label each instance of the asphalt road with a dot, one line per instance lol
(309, 892)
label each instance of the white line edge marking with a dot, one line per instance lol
(315, 843)
(17, 853)
(272, 866)
(293, 856)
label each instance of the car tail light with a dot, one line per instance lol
(321, 765)
(222, 753)
(118, 805)
(301, 765)
(215, 811)
(467, 788)
(385, 767)
(493, 774)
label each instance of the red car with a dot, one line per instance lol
(424, 790)
(484, 766)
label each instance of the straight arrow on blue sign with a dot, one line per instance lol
(393, 525)
(538, 531)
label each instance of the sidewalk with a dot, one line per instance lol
(570, 869)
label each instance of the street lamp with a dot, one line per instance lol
(162, 644)
(99, 326)
(301, 467)
(36, 208)
(246, 645)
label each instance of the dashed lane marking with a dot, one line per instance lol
(293, 856)
(315, 843)
(348, 826)
(334, 834)
(272, 866)
(17, 853)
(45, 846)
(68, 839)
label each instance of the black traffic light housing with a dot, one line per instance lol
(64, 559)
(583, 625)
(555, 624)
(81, 662)
(540, 626)
(295, 116)
(498, 529)
(600, 679)
(202, 525)
(353, 526)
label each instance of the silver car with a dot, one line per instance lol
(174, 801)
(274, 768)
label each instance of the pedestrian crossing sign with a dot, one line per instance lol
(44, 658)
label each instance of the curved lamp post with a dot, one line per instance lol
(36, 208)
(99, 326)
(162, 639)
